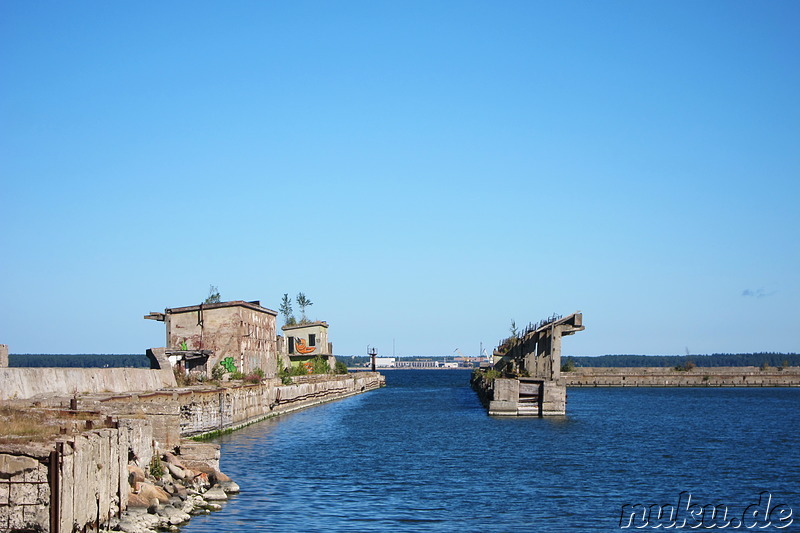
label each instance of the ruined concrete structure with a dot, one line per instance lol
(80, 482)
(243, 331)
(78, 479)
(305, 339)
(76, 483)
(301, 342)
(530, 365)
(537, 353)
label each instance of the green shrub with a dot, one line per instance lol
(156, 468)
(487, 375)
(217, 372)
(319, 365)
(340, 367)
(301, 369)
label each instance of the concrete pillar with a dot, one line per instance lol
(555, 358)
(531, 361)
(3, 355)
(543, 352)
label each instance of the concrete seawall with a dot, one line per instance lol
(696, 377)
(21, 383)
(194, 411)
(80, 482)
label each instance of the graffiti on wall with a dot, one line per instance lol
(300, 347)
(228, 364)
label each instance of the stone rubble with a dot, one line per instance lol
(167, 503)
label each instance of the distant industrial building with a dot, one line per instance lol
(418, 364)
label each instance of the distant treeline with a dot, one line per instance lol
(717, 359)
(93, 360)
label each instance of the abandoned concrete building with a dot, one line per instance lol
(200, 337)
(305, 341)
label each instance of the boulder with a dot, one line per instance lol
(230, 487)
(172, 515)
(220, 477)
(148, 491)
(176, 471)
(172, 459)
(215, 494)
(135, 500)
(200, 480)
(197, 467)
(135, 475)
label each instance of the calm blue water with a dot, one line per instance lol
(422, 455)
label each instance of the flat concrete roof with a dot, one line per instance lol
(307, 324)
(254, 305)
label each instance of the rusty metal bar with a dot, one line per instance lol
(54, 480)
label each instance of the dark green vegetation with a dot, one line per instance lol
(79, 360)
(687, 361)
(140, 360)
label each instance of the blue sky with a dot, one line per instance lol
(424, 171)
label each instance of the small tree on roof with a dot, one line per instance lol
(286, 310)
(213, 295)
(303, 302)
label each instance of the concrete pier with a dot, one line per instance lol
(526, 377)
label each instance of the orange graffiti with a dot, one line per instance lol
(300, 347)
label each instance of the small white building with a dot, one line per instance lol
(384, 362)
(306, 341)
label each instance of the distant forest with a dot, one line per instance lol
(78, 360)
(717, 359)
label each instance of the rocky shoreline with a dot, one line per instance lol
(171, 493)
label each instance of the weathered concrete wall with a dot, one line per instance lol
(259, 346)
(197, 410)
(521, 397)
(21, 383)
(302, 332)
(696, 377)
(206, 411)
(554, 398)
(3, 355)
(24, 489)
(240, 330)
(161, 409)
(74, 484)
